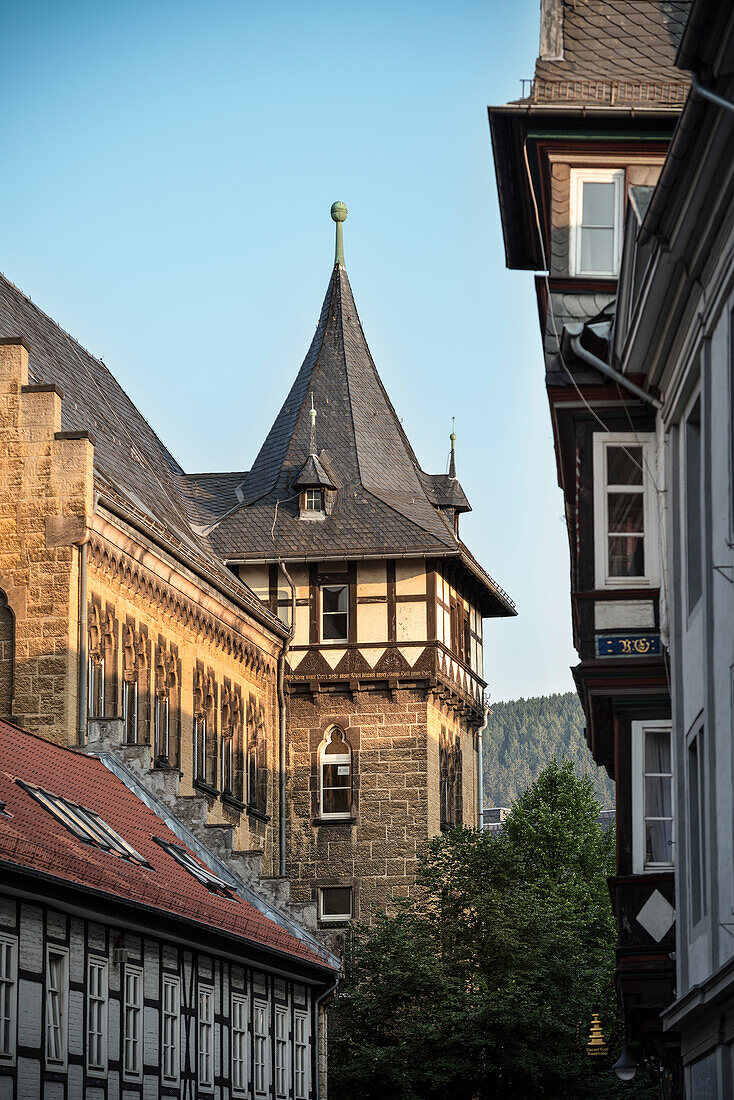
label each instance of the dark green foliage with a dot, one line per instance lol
(526, 734)
(486, 987)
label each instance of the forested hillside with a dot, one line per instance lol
(522, 737)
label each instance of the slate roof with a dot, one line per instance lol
(130, 461)
(384, 502)
(32, 838)
(628, 42)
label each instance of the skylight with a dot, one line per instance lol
(85, 824)
(198, 870)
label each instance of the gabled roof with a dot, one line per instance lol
(385, 504)
(33, 839)
(131, 464)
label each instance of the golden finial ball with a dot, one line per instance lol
(339, 212)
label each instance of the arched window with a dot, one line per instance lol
(95, 664)
(335, 775)
(7, 648)
(450, 768)
(130, 686)
(257, 759)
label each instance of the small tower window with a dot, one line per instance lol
(313, 500)
(335, 772)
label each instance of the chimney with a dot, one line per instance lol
(551, 30)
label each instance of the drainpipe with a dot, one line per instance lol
(610, 372)
(480, 769)
(282, 748)
(81, 726)
(706, 93)
(319, 1001)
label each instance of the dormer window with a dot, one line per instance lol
(596, 221)
(313, 500)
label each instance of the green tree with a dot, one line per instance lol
(485, 987)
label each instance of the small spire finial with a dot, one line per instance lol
(452, 437)
(312, 414)
(339, 214)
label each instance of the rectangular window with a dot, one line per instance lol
(133, 1027)
(697, 826)
(171, 1028)
(625, 520)
(130, 711)
(95, 687)
(97, 1016)
(301, 1061)
(282, 1052)
(206, 1038)
(703, 1079)
(161, 728)
(86, 824)
(313, 500)
(597, 196)
(335, 612)
(652, 796)
(239, 1043)
(8, 998)
(693, 490)
(335, 903)
(261, 1049)
(57, 1006)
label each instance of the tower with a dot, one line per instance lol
(340, 532)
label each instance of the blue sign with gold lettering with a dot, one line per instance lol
(628, 645)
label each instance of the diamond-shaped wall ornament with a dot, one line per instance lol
(657, 916)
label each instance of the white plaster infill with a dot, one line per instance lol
(657, 916)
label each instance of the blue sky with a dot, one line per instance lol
(168, 174)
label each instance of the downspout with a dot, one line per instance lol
(81, 716)
(319, 1001)
(282, 738)
(712, 96)
(580, 351)
(480, 769)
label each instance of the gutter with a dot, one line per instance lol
(282, 733)
(604, 368)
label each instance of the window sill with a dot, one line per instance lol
(259, 815)
(202, 785)
(351, 820)
(232, 801)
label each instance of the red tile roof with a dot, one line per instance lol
(33, 838)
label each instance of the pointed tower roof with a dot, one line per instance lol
(383, 503)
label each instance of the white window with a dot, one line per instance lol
(335, 903)
(97, 1016)
(171, 1028)
(133, 1031)
(313, 500)
(335, 612)
(301, 1052)
(261, 1060)
(625, 517)
(239, 1043)
(597, 196)
(282, 1052)
(335, 772)
(57, 1006)
(653, 797)
(8, 998)
(206, 1038)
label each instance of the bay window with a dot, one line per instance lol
(653, 797)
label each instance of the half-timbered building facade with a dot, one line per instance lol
(579, 153)
(132, 961)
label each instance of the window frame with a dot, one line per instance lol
(339, 759)
(8, 1057)
(242, 1001)
(317, 500)
(697, 831)
(136, 1040)
(130, 711)
(201, 873)
(640, 866)
(692, 527)
(60, 1063)
(282, 1044)
(580, 176)
(171, 981)
(332, 587)
(303, 1043)
(85, 824)
(335, 918)
(259, 1005)
(205, 992)
(98, 962)
(601, 442)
